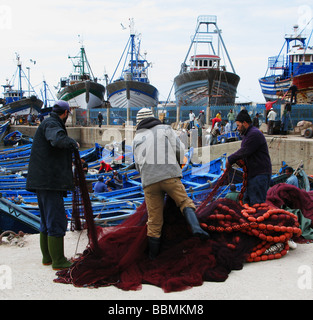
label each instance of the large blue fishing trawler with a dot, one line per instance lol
(206, 79)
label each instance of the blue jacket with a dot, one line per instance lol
(254, 152)
(100, 187)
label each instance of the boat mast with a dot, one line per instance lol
(19, 66)
(205, 37)
(132, 44)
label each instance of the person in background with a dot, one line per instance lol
(192, 117)
(254, 152)
(116, 181)
(227, 128)
(292, 179)
(104, 167)
(214, 134)
(214, 122)
(50, 176)
(85, 166)
(271, 117)
(100, 119)
(100, 186)
(231, 119)
(233, 194)
(294, 90)
(161, 173)
(256, 121)
(201, 119)
(219, 115)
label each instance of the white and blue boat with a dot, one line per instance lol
(293, 68)
(132, 89)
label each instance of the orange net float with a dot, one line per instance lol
(272, 226)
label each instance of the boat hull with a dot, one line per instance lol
(123, 94)
(273, 90)
(304, 84)
(24, 106)
(85, 94)
(193, 88)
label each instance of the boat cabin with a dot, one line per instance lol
(300, 59)
(204, 62)
(77, 77)
(10, 94)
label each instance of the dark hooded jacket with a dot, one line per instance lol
(50, 164)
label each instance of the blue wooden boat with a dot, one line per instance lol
(16, 138)
(3, 129)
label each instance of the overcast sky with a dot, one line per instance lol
(47, 31)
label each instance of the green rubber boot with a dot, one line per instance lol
(46, 258)
(56, 249)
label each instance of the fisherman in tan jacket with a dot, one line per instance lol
(158, 153)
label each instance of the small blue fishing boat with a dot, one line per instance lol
(16, 138)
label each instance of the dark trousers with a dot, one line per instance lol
(257, 189)
(53, 220)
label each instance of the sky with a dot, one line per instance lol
(48, 31)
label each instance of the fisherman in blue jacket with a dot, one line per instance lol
(50, 176)
(254, 151)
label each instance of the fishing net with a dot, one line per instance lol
(118, 255)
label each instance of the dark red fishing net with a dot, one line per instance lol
(118, 255)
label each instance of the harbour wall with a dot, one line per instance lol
(292, 149)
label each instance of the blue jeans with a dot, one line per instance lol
(53, 220)
(257, 189)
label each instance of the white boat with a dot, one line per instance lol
(81, 89)
(132, 89)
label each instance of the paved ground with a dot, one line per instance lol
(24, 278)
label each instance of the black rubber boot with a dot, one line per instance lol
(190, 215)
(154, 247)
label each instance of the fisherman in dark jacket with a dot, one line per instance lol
(254, 151)
(50, 176)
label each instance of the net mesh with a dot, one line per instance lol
(118, 255)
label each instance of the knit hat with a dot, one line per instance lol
(242, 116)
(143, 114)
